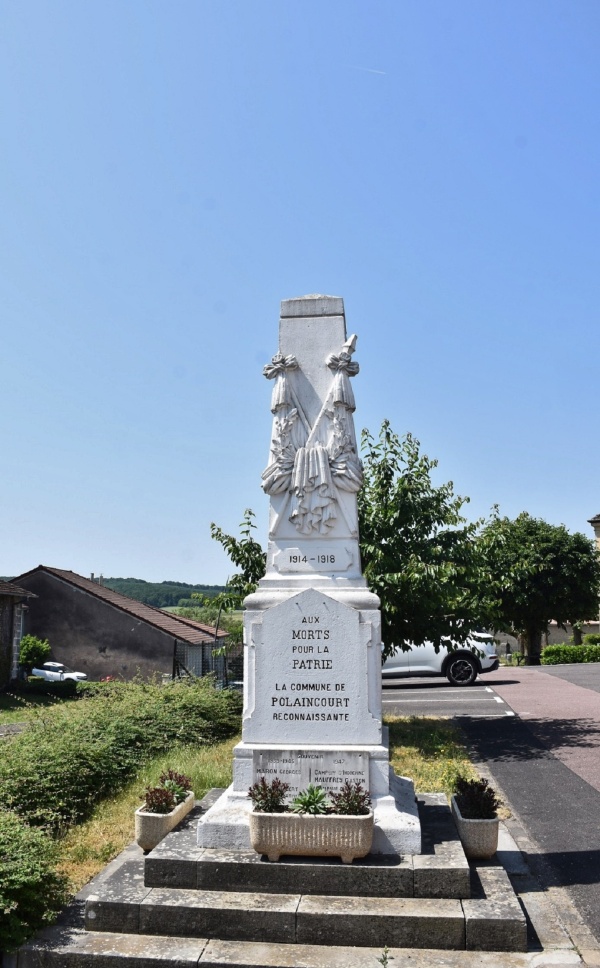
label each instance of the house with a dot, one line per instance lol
(595, 523)
(13, 600)
(103, 633)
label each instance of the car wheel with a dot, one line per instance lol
(461, 671)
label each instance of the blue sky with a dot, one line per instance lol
(171, 171)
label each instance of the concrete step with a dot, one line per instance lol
(132, 924)
(491, 919)
(441, 870)
(72, 948)
(283, 918)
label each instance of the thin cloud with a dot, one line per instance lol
(368, 70)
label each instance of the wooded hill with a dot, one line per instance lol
(162, 594)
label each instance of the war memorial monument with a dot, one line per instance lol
(312, 714)
(312, 630)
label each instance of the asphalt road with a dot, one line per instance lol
(537, 730)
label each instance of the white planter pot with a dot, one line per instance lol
(478, 837)
(330, 835)
(150, 828)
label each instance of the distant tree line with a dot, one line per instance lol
(161, 594)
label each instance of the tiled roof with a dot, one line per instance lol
(183, 629)
(594, 520)
(7, 588)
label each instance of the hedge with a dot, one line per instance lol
(559, 654)
(31, 891)
(592, 638)
(75, 754)
(61, 688)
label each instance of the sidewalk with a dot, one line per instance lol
(545, 762)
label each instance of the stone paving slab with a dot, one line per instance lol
(410, 922)
(79, 949)
(248, 871)
(119, 900)
(82, 949)
(494, 919)
(227, 915)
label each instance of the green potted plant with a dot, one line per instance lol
(315, 824)
(164, 807)
(474, 808)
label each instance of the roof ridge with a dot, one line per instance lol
(169, 624)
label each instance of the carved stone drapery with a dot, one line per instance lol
(277, 370)
(311, 463)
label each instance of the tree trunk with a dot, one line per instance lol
(577, 636)
(534, 647)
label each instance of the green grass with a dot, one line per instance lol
(429, 751)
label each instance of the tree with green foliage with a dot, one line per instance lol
(33, 651)
(539, 572)
(245, 553)
(419, 553)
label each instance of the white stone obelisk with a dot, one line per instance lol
(312, 630)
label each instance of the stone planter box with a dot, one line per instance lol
(329, 835)
(150, 828)
(478, 837)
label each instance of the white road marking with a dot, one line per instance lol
(497, 698)
(509, 713)
(437, 688)
(466, 699)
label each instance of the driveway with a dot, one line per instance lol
(436, 697)
(546, 760)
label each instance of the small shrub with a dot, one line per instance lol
(313, 801)
(592, 638)
(33, 651)
(352, 800)
(31, 891)
(476, 799)
(269, 796)
(560, 654)
(159, 800)
(177, 783)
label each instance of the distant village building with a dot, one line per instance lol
(13, 601)
(103, 633)
(595, 523)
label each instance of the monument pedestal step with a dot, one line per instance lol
(80, 949)
(441, 870)
(280, 918)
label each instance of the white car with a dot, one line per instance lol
(461, 666)
(57, 672)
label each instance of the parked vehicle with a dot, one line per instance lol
(57, 672)
(460, 666)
